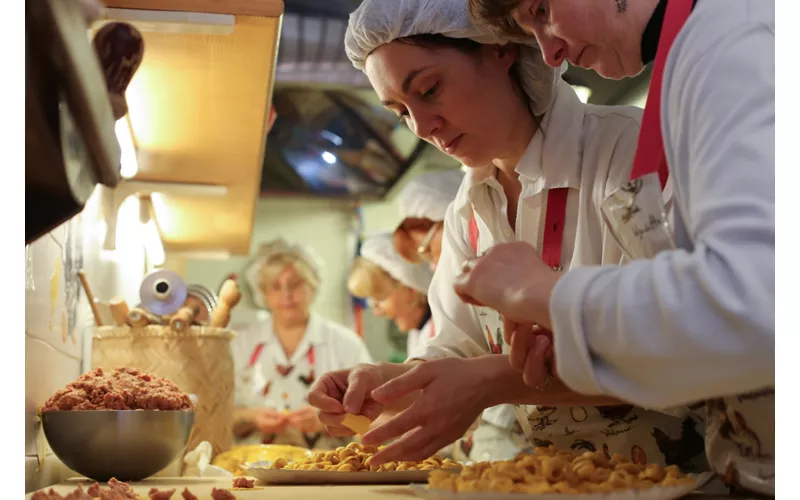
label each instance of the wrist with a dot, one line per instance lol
(495, 377)
(536, 300)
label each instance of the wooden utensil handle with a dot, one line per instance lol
(119, 311)
(220, 317)
(89, 295)
(139, 317)
(182, 319)
(229, 293)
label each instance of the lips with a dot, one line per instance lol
(452, 146)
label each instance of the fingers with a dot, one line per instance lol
(396, 426)
(333, 424)
(535, 362)
(521, 340)
(508, 329)
(416, 445)
(413, 380)
(359, 385)
(324, 394)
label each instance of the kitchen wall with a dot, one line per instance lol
(58, 320)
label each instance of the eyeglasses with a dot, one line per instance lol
(424, 249)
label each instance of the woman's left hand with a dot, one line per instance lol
(448, 405)
(305, 419)
(512, 279)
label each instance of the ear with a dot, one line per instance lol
(524, 14)
(506, 54)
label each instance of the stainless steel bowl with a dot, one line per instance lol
(128, 445)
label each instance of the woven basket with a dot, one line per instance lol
(199, 361)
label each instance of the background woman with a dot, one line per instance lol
(279, 359)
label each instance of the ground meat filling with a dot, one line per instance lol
(121, 389)
(217, 494)
(188, 495)
(156, 494)
(243, 482)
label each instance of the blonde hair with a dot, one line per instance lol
(368, 279)
(275, 264)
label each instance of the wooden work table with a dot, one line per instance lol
(202, 488)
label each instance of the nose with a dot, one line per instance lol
(424, 124)
(554, 50)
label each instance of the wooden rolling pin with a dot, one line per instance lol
(90, 296)
(229, 296)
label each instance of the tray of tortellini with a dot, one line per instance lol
(349, 465)
(239, 459)
(548, 473)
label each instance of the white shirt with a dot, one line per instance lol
(415, 342)
(588, 149)
(266, 378)
(699, 321)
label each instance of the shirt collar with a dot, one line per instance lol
(313, 334)
(552, 159)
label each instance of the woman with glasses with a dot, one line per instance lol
(278, 359)
(423, 204)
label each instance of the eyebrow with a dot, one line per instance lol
(407, 81)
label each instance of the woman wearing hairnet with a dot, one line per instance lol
(694, 319)
(539, 163)
(398, 290)
(423, 204)
(278, 360)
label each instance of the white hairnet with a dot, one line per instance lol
(427, 196)
(379, 249)
(377, 22)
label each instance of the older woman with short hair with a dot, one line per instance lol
(277, 360)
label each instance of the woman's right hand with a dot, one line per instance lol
(346, 391)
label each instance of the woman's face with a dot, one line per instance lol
(288, 296)
(464, 104)
(401, 305)
(593, 34)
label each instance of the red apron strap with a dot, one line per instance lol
(555, 218)
(473, 233)
(433, 330)
(256, 354)
(650, 155)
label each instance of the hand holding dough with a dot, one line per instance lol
(357, 423)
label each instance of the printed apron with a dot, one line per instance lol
(740, 430)
(643, 436)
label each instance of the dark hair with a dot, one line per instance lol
(471, 47)
(496, 15)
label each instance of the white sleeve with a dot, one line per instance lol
(456, 325)
(697, 322)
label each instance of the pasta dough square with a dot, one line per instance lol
(357, 423)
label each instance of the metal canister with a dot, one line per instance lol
(203, 300)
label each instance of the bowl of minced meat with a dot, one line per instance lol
(123, 423)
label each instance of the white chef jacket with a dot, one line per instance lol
(269, 379)
(588, 149)
(415, 343)
(699, 321)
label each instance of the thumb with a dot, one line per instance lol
(411, 381)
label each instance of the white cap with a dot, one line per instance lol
(379, 249)
(427, 196)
